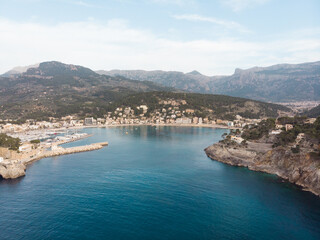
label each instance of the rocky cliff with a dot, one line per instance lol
(301, 168)
(12, 170)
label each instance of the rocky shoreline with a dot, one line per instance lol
(10, 169)
(302, 169)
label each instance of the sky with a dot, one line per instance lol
(211, 36)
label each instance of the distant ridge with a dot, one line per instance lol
(194, 72)
(277, 83)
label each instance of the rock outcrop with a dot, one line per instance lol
(12, 170)
(301, 168)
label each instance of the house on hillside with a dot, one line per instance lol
(288, 127)
(190, 111)
(279, 126)
(300, 137)
(275, 132)
(237, 139)
(26, 148)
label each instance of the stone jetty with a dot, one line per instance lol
(57, 151)
(17, 168)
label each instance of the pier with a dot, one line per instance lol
(10, 169)
(58, 150)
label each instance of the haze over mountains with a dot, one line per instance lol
(277, 83)
(19, 70)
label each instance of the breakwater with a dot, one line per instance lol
(17, 168)
(63, 151)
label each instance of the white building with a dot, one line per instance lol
(237, 139)
(90, 121)
(275, 132)
(230, 124)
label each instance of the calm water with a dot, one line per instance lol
(152, 183)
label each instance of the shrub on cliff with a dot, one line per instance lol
(254, 132)
(9, 142)
(295, 149)
(291, 120)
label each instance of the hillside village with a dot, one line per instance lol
(283, 131)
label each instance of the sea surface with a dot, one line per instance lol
(152, 183)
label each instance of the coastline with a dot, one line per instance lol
(252, 157)
(148, 124)
(299, 169)
(15, 168)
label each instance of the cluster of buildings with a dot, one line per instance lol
(171, 112)
(286, 127)
(170, 115)
(31, 124)
(277, 130)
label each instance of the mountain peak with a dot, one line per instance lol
(53, 68)
(194, 72)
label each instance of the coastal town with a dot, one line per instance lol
(56, 130)
(34, 139)
(172, 112)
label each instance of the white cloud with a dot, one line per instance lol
(238, 5)
(223, 23)
(82, 3)
(175, 2)
(116, 45)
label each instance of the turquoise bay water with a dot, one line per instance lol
(152, 183)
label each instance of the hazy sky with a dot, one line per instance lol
(211, 36)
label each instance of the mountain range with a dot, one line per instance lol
(58, 89)
(277, 83)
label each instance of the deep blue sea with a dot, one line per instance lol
(152, 183)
